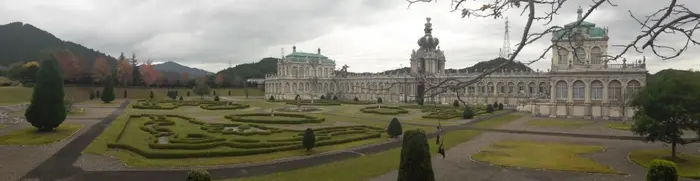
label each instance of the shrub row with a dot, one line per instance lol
(302, 118)
(207, 105)
(375, 110)
(224, 107)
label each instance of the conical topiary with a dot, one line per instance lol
(489, 108)
(272, 98)
(216, 98)
(455, 103)
(125, 95)
(379, 100)
(309, 139)
(394, 129)
(47, 110)
(415, 157)
(500, 106)
(322, 97)
(108, 91)
(468, 113)
(495, 105)
(151, 95)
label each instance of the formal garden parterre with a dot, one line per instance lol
(174, 104)
(175, 136)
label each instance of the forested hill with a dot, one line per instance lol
(252, 70)
(516, 66)
(20, 42)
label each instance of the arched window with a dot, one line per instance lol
(501, 87)
(579, 90)
(482, 89)
(532, 87)
(490, 88)
(563, 56)
(521, 87)
(562, 90)
(596, 90)
(580, 58)
(633, 87)
(511, 88)
(596, 55)
(614, 90)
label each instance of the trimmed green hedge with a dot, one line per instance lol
(389, 110)
(212, 143)
(173, 104)
(294, 118)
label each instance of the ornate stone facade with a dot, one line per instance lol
(579, 84)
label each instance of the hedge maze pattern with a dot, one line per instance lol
(445, 112)
(324, 102)
(175, 136)
(173, 104)
(278, 118)
(384, 110)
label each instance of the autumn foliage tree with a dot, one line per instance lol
(124, 71)
(148, 73)
(69, 64)
(100, 69)
(219, 79)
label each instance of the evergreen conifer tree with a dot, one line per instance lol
(394, 128)
(108, 91)
(415, 157)
(47, 111)
(309, 139)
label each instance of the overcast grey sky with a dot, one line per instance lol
(367, 35)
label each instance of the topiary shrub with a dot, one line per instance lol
(455, 103)
(495, 104)
(92, 95)
(379, 100)
(272, 98)
(198, 175)
(297, 97)
(468, 113)
(216, 98)
(125, 95)
(335, 98)
(188, 93)
(309, 139)
(108, 91)
(323, 97)
(662, 170)
(394, 128)
(500, 106)
(415, 157)
(151, 95)
(214, 93)
(489, 108)
(97, 94)
(229, 92)
(356, 99)
(181, 98)
(47, 110)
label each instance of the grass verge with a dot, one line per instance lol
(620, 126)
(558, 123)
(529, 154)
(369, 166)
(29, 136)
(688, 165)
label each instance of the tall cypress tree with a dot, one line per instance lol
(108, 91)
(47, 110)
(415, 157)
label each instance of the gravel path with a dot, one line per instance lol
(18, 160)
(459, 164)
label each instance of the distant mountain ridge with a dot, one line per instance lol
(481, 66)
(174, 67)
(21, 42)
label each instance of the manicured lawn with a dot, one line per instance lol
(369, 166)
(19, 95)
(620, 126)
(688, 167)
(4, 125)
(558, 123)
(540, 155)
(29, 136)
(75, 113)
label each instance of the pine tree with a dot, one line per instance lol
(309, 139)
(108, 91)
(415, 157)
(468, 113)
(394, 128)
(135, 73)
(47, 110)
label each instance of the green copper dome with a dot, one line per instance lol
(587, 28)
(304, 57)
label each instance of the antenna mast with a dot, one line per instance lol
(505, 51)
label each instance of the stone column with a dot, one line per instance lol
(587, 112)
(605, 107)
(552, 102)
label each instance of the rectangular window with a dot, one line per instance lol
(596, 93)
(579, 93)
(562, 93)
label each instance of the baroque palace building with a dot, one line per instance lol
(579, 83)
